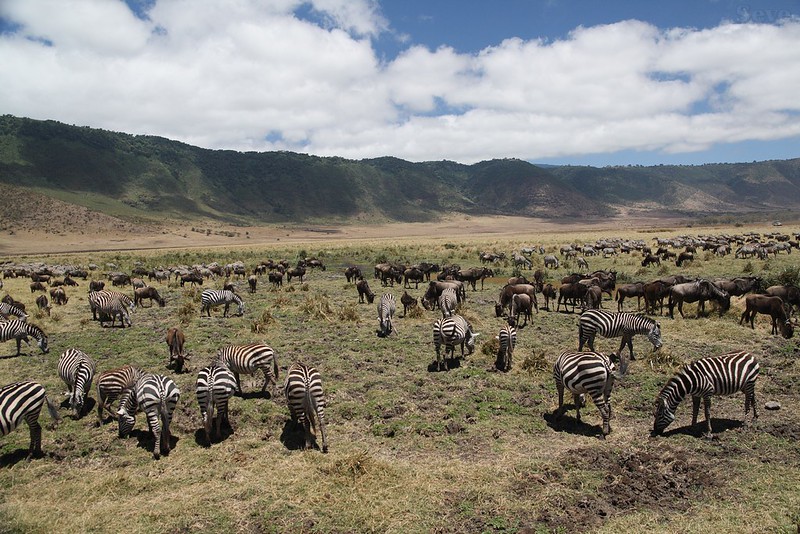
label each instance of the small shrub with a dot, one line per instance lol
(317, 307)
(748, 267)
(304, 287)
(490, 347)
(415, 312)
(186, 312)
(56, 316)
(535, 362)
(348, 312)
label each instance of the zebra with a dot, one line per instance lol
(105, 304)
(306, 401)
(450, 331)
(76, 369)
(23, 400)
(214, 387)
(607, 324)
(448, 301)
(7, 310)
(214, 297)
(20, 330)
(386, 309)
(249, 359)
(110, 386)
(156, 396)
(508, 340)
(586, 372)
(716, 375)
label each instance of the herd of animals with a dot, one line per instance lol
(580, 371)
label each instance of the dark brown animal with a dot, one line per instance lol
(364, 291)
(297, 272)
(789, 294)
(471, 276)
(121, 280)
(699, 291)
(651, 259)
(629, 291)
(70, 282)
(37, 286)
(192, 278)
(147, 293)
(353, 273)
(177, 357)
(275, 278)
(58, 296)
(408, 302)
(549, 293)
(507, 293)
(521, 303)
(684, 257)
(518, 280)
(431, 297)
(654, 294)
(42, 304)
(412, 274)
(571, 293)
(772, 306)
(96, 285)
(252, 281)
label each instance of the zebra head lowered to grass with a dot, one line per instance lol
(156, 396)
(215, 385)
(306, 401)
(622, 324)
(24, 400)
(19, 330)
(249, 359)
(452, 331)
(716, 375)
(76, 369)
(386, 309)
(211, 298)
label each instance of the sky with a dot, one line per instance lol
(577, 82)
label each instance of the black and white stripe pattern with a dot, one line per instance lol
(8, 310)
(452, 331)
(111, 304)
(386, 308)
(76, 369)
(607, 324)
(448, 302)
(249, 359)
(306, 401)
(110, 386)
(581, 373)
(23, 400)
(211, 298)
(215, 385)
(717, 375)
(20, 330)
(507, 341)
(156, 396)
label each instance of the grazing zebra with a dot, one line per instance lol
(505, 352)
(156, 396)
(215, 385)
(23, 400)
(448, 301)
(607, 324)
(249, 359)
(306, 401)
(110, 386)
(7, 310)
(20, 330)
(717, 375)
(76, 369)
(105, 304)
(386, 309)
(586, 372)
(211, 298)
(450, 331)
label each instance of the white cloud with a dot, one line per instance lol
(230, 74)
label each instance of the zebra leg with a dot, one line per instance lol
(578, 399)
(155, 428)
(35, 450)
(560, 410)
(695, 409)
(605, 413)
(707, 406)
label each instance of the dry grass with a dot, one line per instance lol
(468, 450)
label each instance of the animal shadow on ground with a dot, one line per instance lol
(698, 430)
(88, 406)
(571, 425)
(11, 459)
(255, 394)
(293, 436)
(453, 363)
(225, 431)
(146, 441)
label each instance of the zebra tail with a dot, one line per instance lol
(51, 407)
(310, 409)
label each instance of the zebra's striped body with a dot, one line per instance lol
(110, 386)
(448, 301)
(306, 401)
(20, 330)
(607, 324)
(113, 304)
(156, 396)
(386, 309)
(717, 375)
(211, 298)
(505, 352)
(7, 310)
(249, 359)
(76, 369)
(581, 373)
(452, 331)
(23, 400)
(215, 385)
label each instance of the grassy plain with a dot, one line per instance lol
(469, 450)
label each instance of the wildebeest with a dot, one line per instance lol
(789, 294)
(684, 257)
(507, 293)
(37, 286)
(521, 303)
(471, 276)
(175, 340)
(699, 291)
(772, 306)
(120, 279)
(413, 274)
(362, 286)
(96, 285)
(353, 273)
(431, 297)
(42, 304)
(147, 293)
(629, 291)
(275, 278)
(551, 262)
(570, 293)
(252, 282)
(408, 302)
(654, 294)
(297, 272)
(651, 259)
(192, 278)
(739, 286)
(549, 294)
(58, 296)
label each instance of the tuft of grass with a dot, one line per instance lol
(317, 307)
(349, 312)
(186, 312)
(535, 362)
(416, 312)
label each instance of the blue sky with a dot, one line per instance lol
(579, 82)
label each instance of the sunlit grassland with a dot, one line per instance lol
(468, 450)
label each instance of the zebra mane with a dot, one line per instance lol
(33, 330)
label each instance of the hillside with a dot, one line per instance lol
(138, 177)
